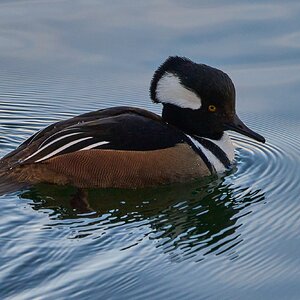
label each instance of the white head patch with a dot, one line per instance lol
(170, 90)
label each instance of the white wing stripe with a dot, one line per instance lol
(94, 145)
(63, 148)
(52, 142)
(57, 133)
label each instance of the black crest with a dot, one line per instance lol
(170, 65)
(207, 82)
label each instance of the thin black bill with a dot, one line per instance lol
(238, 126)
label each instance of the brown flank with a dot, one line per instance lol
(116, 168)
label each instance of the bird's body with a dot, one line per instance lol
(129, 147)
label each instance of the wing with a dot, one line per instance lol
(32, 143)
(119, 128)
(87, 117)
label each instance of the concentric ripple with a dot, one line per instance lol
(268, 163)
(273, 166)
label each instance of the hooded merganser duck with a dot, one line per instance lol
(128, 147)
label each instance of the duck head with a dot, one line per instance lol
(198, 99)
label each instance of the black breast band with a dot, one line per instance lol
(215, 150)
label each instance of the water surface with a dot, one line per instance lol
(233, 237)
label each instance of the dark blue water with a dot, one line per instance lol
(234, 237)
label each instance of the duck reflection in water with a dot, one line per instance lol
(190, 220)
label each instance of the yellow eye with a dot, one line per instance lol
(212, 108)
